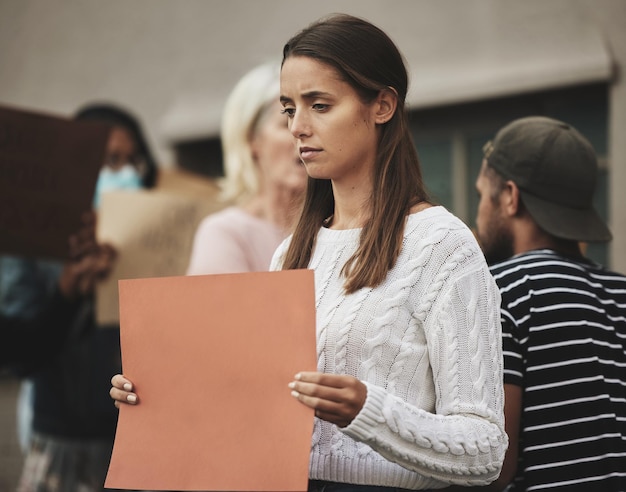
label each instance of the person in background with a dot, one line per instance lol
(72, 424)
(129, 163)
(409, 393)
(264, 178)
(563, 316)
(27, 343)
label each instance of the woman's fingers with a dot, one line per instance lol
(121, 391)
(121, 396)
(119, 381)
(324, 379)
(335, 398)
(332, 387)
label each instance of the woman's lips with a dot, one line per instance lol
(308, 152)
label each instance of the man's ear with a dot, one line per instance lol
(510, 198)
(386, 104)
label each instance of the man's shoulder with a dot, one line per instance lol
(547, 264)
(520, 264)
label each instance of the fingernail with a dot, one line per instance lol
(292, 385)
(295, 394)
(128, 386)
(131, 398)
(298, 376)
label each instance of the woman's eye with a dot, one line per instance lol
(288, 111)
(320, 107)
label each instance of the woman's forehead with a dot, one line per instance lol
(302, 74)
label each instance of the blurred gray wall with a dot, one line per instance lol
(174, 61)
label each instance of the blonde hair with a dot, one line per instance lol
(244, 109)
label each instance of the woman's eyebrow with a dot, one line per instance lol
(307, 95)
(315, 94)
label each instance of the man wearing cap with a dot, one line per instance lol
(563, 316)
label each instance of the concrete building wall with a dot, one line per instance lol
(174, 62)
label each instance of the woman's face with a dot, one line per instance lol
(336, 133)
(275, 152)
(122, 169)
(121, 149)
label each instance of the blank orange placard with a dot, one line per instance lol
(210, 357)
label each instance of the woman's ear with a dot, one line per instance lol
(386, 104)
(254, 144)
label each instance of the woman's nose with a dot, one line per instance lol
(299, 126)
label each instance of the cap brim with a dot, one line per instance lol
(567, 223)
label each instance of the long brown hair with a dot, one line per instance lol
(367, 59)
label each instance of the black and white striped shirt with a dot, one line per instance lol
(564, 343)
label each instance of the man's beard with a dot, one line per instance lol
(498, 245)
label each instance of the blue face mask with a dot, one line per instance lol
(125, 178)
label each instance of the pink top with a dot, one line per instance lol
(233, 241)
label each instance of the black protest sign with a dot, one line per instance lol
(48, 171)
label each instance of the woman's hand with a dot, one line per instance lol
(89, 262)
(335, 398)
(121, 391)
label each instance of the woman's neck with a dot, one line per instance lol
(352, 207)
(279, 207)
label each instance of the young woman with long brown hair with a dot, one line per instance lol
(409, 390)
(408, 393)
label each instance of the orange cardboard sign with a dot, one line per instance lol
(48, 172)
(211, 357)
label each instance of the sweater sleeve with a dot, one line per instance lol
(463, 442)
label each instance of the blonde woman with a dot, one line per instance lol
(264, 179)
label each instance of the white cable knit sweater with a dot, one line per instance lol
(427, 344)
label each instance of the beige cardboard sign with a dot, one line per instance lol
(153, 233)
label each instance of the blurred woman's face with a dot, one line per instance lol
(121, 149)
(122, 168)
(274, 151)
